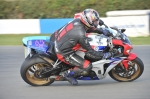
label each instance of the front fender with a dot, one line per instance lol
(131, 56)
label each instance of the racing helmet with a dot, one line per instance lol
(90, 18)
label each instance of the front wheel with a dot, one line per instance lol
(136, 68)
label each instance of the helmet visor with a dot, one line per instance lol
(96, 19)
(96, 23)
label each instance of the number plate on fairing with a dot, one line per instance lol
(38, 44)
(98, 42)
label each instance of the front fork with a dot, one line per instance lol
(125, 62)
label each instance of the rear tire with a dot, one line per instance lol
(28, 69)
(138, 70)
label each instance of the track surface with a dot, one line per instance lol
(13, 87)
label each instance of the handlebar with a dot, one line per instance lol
(111, 30)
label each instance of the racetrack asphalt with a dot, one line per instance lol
(13, 87)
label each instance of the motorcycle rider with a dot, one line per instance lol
(71, 37)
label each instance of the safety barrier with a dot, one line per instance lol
(136, 22)
(135, 25)
(51, 25)
(19, 26)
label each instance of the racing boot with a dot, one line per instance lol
(70, 77)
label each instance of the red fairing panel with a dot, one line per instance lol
(117, 42)
(125, 45)
(131, 56)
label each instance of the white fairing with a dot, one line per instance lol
(98, 66)
(98, 42)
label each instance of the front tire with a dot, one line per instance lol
(29, 69)
(136, 71)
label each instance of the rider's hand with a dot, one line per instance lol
(107, 55)
(110, 54)
(107, 33)
(101, 22)
(115, 51)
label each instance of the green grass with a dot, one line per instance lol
(16, 39)
(140, 40)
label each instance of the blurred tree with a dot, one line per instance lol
(12, 9)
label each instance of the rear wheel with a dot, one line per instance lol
(135, 70)
(30, 72)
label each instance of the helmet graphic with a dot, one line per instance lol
(90, 18)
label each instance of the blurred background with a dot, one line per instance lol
(35, 9)
(23, 18)
(38, 17)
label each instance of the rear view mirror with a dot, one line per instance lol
(123, 30)
(101, 22)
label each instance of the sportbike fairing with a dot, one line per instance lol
(98, 42)
(119, 68)
(41, 45)
(26, 39)
(102, 70)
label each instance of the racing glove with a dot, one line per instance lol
(115, 51)
(107, 55)
(101, 22)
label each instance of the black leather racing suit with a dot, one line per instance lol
(68, 40)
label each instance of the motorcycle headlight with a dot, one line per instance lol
(128, 51)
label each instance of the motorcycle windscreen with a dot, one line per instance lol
(40, 45)
(125, 39)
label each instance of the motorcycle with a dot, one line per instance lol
(41, 66)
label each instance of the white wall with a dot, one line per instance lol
(17, 26)
(136, 22)
(134, 25)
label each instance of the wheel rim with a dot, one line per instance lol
(133, 76)
(31, 77)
